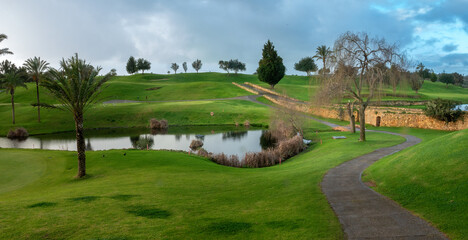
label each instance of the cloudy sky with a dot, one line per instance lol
(107, 32)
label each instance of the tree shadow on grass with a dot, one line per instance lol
(123, 197)
(42, 204)
(228, 227)
(148, 212)
(84, 199)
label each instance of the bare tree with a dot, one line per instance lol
(365, 54)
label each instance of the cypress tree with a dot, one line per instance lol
(270, 68)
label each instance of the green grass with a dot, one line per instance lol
(138, 115)
(431, 180)
(169, 195)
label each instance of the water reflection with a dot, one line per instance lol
(234, 135)
(228, 141)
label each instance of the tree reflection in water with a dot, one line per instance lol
(235, 135)
(142, 142)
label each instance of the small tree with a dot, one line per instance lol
(113, 72)
(307, 65)
(224, 65)
(443, 110)
(10, 79)
(174, 67)
(184, 66)
(236, 65)
(423, 72)
(325, 54)
(433, 77)
(270, 68)
(197, 64)
(143, 64)
(415, 81)
(446, 78)
(457, 79)
(132, 65)
(36, 69)
(76, 85)
(364, 54)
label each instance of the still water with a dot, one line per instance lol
(463, 107)
(229, 141)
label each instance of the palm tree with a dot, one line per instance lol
(36, 68)
(4, 50)
(323, 52)
(77, 87)
(10, 79)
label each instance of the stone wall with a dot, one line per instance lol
(389, 116)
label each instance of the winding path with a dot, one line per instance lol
(364, 213)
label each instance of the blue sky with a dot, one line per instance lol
(107, 32)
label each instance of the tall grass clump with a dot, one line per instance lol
(19, 133)
(158, 124)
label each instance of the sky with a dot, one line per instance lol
(107, 32)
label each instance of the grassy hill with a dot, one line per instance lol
(430, 179)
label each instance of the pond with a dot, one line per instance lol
(463, 107)
(229, 140)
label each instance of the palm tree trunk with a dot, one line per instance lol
(80, 145)
(362, 122)
(38, 103)
(13, 106)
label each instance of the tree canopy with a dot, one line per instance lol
(76, 85)
(175, 67)
(143, 64)
(233, 65)
(132, 65)
(197, 64)
(307, 65)
(270, 68)
(4, 51)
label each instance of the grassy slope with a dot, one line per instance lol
(179, 196)
(304, 88)
(430, 179)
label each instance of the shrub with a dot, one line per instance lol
(223, 159)
(246, 123)
(265, 158)
(18, 133)
(202, 152)
(441, 109)
(291, 147)
(158, 124)
(196, 144)
(163, 124)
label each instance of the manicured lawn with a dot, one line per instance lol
(138, 115)
(159, 194)
(430, 179)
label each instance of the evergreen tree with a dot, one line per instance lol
(270, 68)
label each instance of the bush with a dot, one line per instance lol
(202, 152)
(291, 147)
(246, 123)
(158, 124)
(19, 133)
(442, 110)
(196, 144)
(265, 158)
(223, 159)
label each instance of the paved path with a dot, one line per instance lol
(364, 213)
